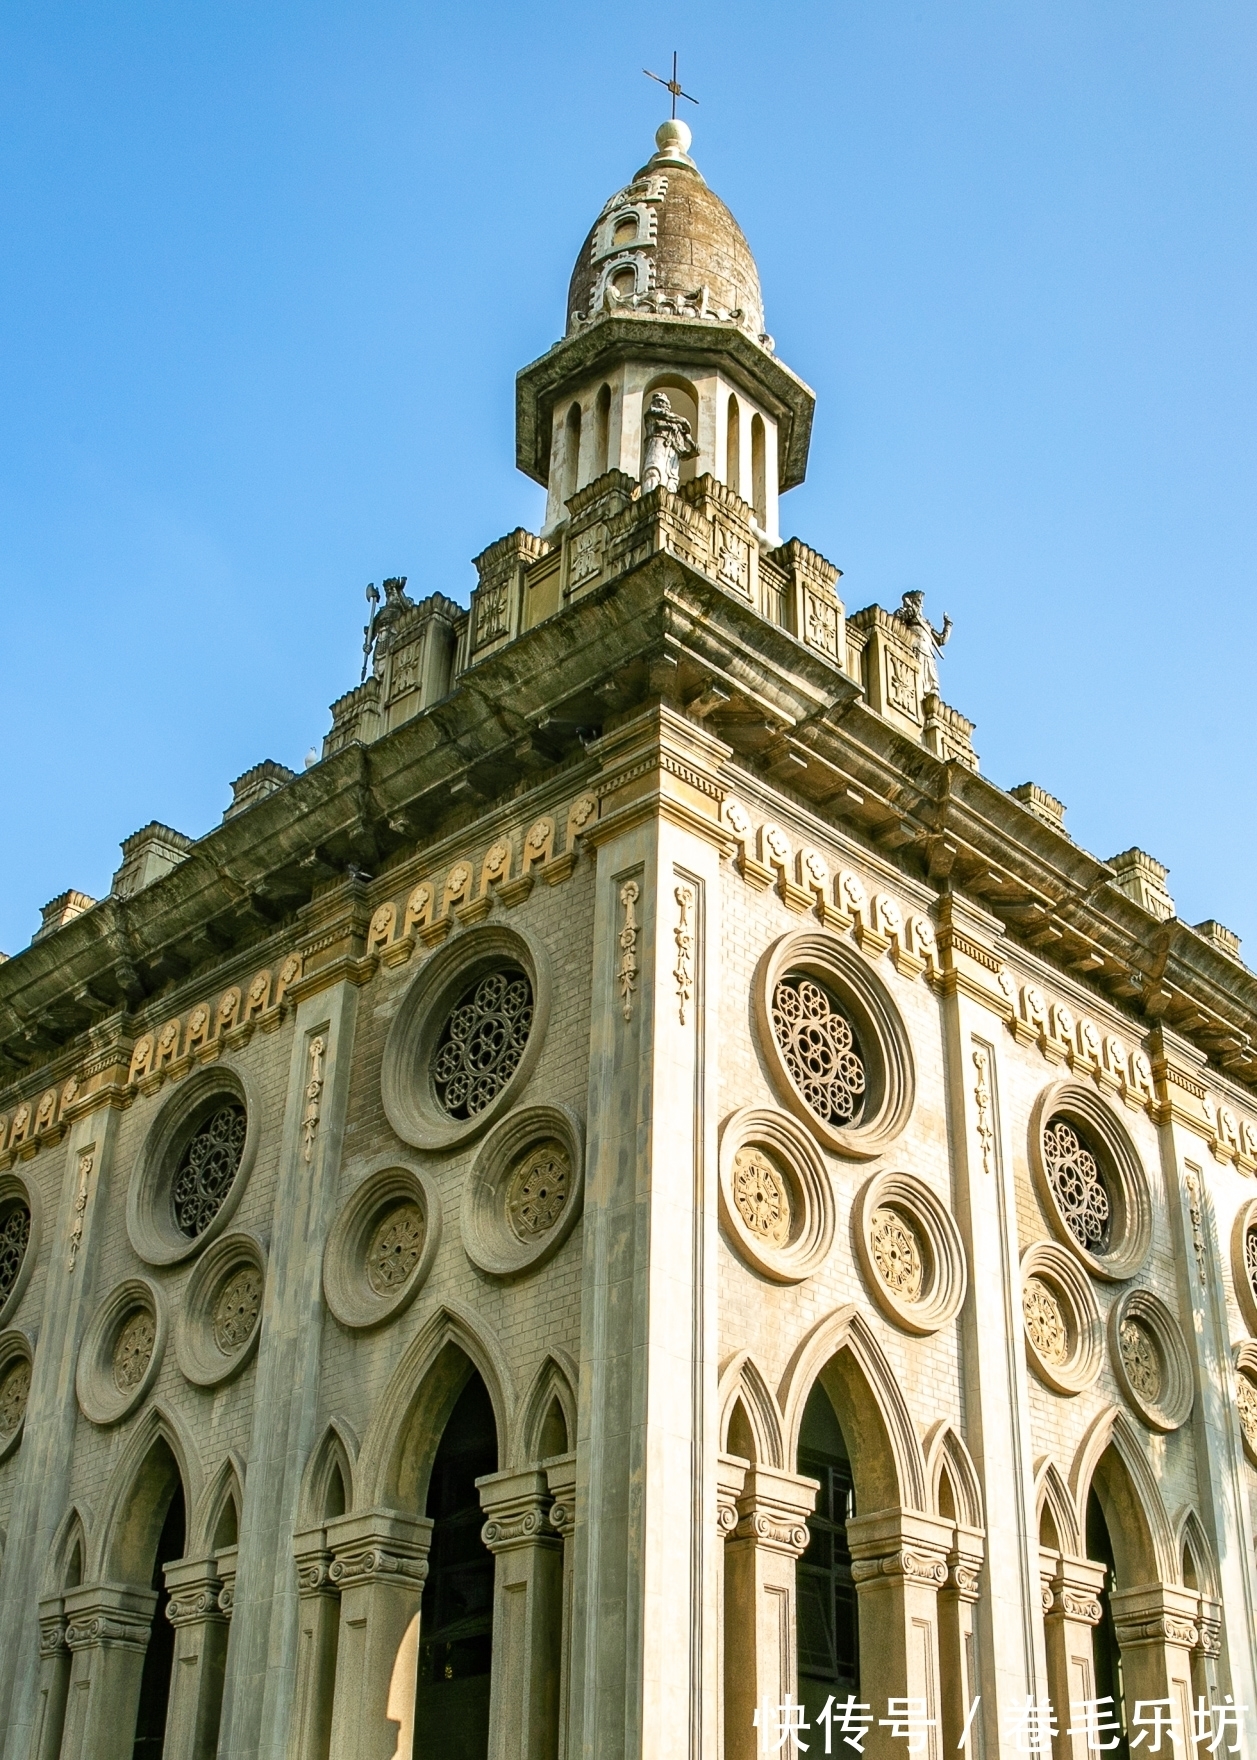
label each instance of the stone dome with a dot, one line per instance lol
(667, 245)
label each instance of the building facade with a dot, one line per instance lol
(640, 1188)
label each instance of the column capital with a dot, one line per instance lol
(314, 1562)
(1072, 1589)
(1155, 1613)
(379, 1546)
(561, 1478)
(731, 1471)
(964, 1564)
(1209, 1624)
(517, 1505)
(51, 1624)
(109, 1614)
(900, 1543)
(773, 1509)
(228, 1560)
(193, 1585)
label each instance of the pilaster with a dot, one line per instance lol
(196, 1680)
(54, 1679)
(527, 1615)
(318, 1623)
(379, 1564)
(899, 1564)
(1156, 1632)
(761, 1644)
(1071, 1611)
(107, 1631)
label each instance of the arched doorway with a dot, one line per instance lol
(1109, 1678)
(456, 1618)
(828, 1618)
(150, 1716)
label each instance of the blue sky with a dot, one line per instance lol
(268, 272)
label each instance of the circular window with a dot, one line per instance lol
(835, 1045)
(525, 1191)
(1244, 1261)
(15, 1387)
(1063, 1330)
(18, 1245)
(466, 1037)
(217, 1331)
(193, 1166)
(1150, 1359)
(121, 1352)
(776, 1196)
(1090, 1180)
(910, 1252)
(382, 1245)
(1245, 1398)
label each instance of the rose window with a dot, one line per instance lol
(762, 1196)
(395, 1249)
(237, 1309)
(1045, 1321)
(1250, 1261)
(482, 1042)
(819, 1049)
(1074, 1174)
(207, 1169)
(15, 1234)
(1245, 1400)
(896, 1253)
(133, 1350)
(538, 1190)
(14, 1390)
(1140, 1360)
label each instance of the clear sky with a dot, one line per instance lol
(268, 271)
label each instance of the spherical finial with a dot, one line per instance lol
(673, 138)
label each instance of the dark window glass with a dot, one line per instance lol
(829, 1644)
(150, 1719)
(1108, 1657)
(207, 1168)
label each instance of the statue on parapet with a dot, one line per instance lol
(668, 441)
(377, 636)
(925, 639)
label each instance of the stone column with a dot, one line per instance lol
(380, 1562)
(54, 1679)
(1071, 1608)
(1156, 1632)
(196, 1678)
(957, 1657)
(731, 1471)
(318, 1621)
(107, 1630)
(527, 1615)
(561, 1479)
(1207, 1652)
(761, 1642)
(899, 1564)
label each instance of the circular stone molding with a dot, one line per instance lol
(833, 1033)
(1245, 1397)
(217, 1332)
(1150, 1359)
(1088, 1175)
(525, 1191)
(383, 1244)
(776, 1196)
(199, 1098)
(1061, 1319)
(121, 1352)
(16, 1358)
(910, 1252)
(19, 1241)
(1244, 1262)
(413, 1098)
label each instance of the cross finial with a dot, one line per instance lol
(672, 85)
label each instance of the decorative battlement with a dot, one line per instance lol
(1043, 805)
(262, 780)
(146, 855)
(1142, 878)
(61, 910)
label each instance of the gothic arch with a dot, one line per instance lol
(1111, 1456)
(743, 1379)
(1052, 1493)
(555, 1380)
(134, 1483)
(1191, 1541)
(336, 1451)
(227, 1486)
(398, 1448)
(75, 1526)
(842, 1351)
(945, 1451)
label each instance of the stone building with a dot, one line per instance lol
(638, 1185)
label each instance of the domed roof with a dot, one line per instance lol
(667, 245)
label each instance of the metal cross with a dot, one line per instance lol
(673, 85)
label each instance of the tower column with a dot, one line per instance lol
(196, 1681)
(761, 1624)
(318, 1621)
(107, 1631)
(1071, 1609)
(380, 1566)
(527, 1615)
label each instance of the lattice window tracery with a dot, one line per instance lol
(820, 1049)
(1250, 1258)
(1074, 1174)
(482, 1042)
(207, 1168)
(15, 1234)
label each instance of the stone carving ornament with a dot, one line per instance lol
(762, 1196)
(538, 1190)
(483, 1041)
(668, 442)
(1090, 1180)
(1140, 1360)
(382, 1245)
(237, 1309)
(819, 1048)
(121, 1352)
(395, 1249)
(1063, 1330)
(776, 1195)
(896, 1253)
(133, 1350)
(210, 1163)
(910, 1252)
(217, 1329)
(15, 1387)
(525, 1191)
(1150, 1360)
(1045, 1321)
(926, 641)
(1246, 1399)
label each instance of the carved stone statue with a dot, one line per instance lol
(924, 637)
(668, 441)
(378, 634)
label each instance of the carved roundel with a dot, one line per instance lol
(836, 1048)
(1060, 1318)
(1090, 1180)
(1244, 1262)
(1150, 1359)
(525, 1191)
(217, 1331)
(193, 1165)
(383, 1244)
(121, 1352)
(776, 1195)
(466, 1037)
(19, 1240)
(910, 1252)
(1245, 1397)
(16, 1357)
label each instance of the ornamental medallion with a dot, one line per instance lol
(14, 1389)
(1045, 1321)
(133, 1350)
(395, 1248)
(762, 1196)
(819, 1050)
(237, 1308)
(896, 1253)
(538, 1191)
